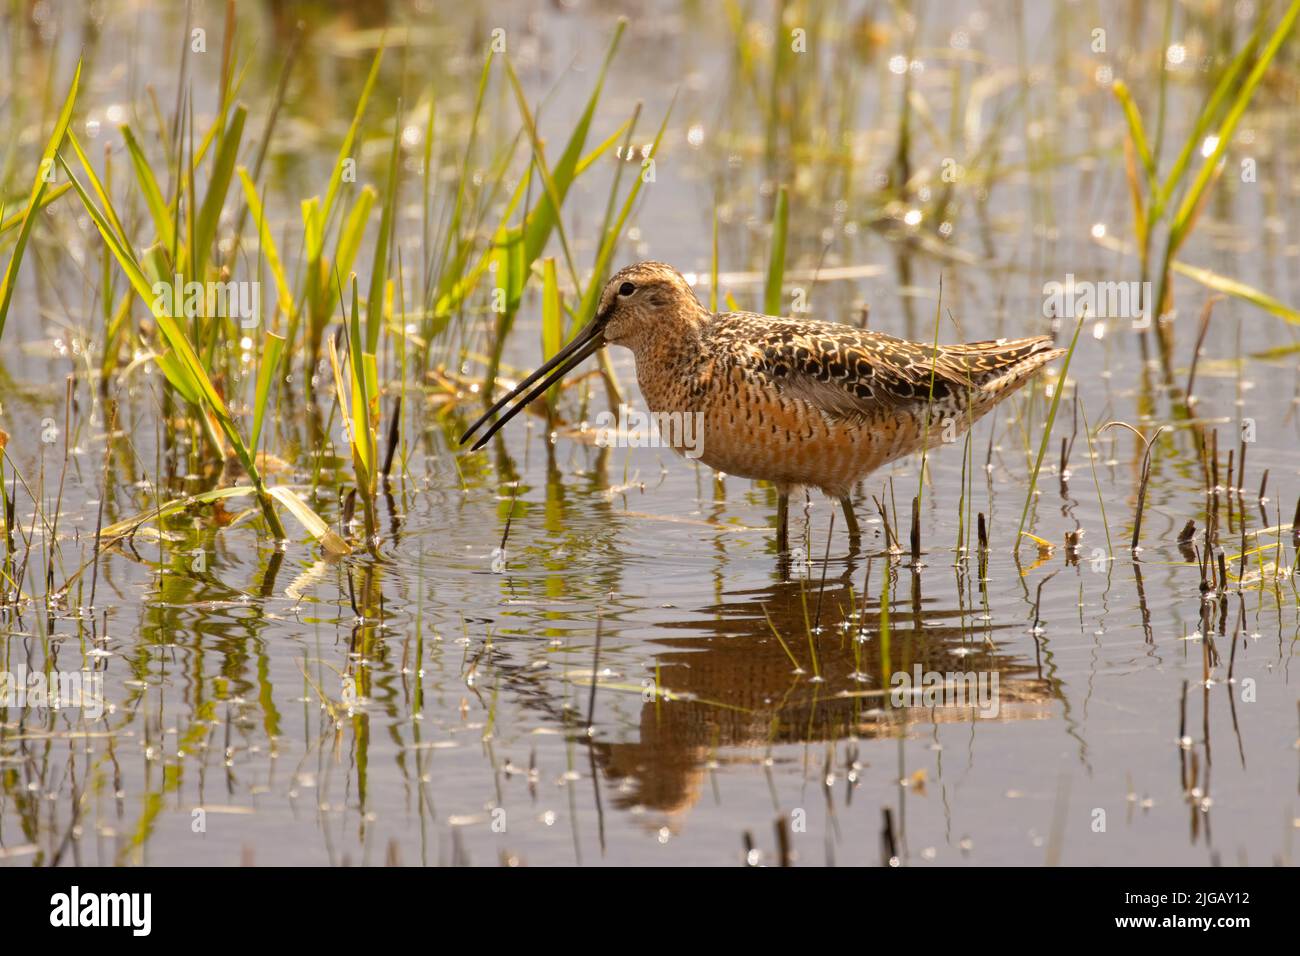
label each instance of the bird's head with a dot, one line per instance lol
(641, 306)
(642, 301)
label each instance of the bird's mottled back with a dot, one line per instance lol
(851, 372)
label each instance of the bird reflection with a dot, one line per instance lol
(730, 685)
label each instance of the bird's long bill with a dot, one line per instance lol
(584, 344)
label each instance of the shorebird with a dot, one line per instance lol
(795, 402)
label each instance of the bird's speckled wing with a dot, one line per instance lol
(849, 373)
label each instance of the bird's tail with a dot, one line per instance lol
(1001, 366)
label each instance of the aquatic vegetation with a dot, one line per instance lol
(1178, 198)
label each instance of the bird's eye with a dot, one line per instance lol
(626, 288)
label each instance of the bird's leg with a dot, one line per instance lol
(783, 520)
(850, 519)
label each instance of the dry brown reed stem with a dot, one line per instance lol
(1200, 341)
(1148, 443)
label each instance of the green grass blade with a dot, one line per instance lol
(776, 260)
(284, 292)
(15, 260)
(189, 368)
(545, 217)
(1092, 461)
(178, 377)
(1228, 286)
(39, 186)
(345, 149)
(713, 265)
(218, 185)
(148, 183)
(266, 375)
(1211, 109)
(125, 257)
(1136, 132)
(310, 520)
(552, 325)
(101, 192)
(1191, 201)
(605, 146)
(459, 283)
(610, 240)
(453, 233)
(313, 228)
(1047, 430)
(353, 231)
(49, 196)
(379, 270)
(361, 430)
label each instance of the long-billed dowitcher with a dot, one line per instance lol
(796, 402)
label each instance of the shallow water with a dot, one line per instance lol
(424, 707)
